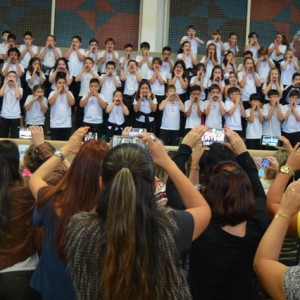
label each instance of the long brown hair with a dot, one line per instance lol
(79, 187)
(127, 207)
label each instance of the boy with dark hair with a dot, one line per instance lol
(191, 37)
(144, 60)
(255, 120)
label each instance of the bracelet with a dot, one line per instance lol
(195, 168)
(281, 214)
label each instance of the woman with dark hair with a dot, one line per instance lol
(18, 237)
(130, 249)
(221, 258)
(76, 192)
(60, 68)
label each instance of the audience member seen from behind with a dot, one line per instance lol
(136, 254)
(56, 204)
(18, 237)
(221, 258)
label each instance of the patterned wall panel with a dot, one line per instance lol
(19, 16)
(97, 19)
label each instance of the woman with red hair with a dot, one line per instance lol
(76, 192)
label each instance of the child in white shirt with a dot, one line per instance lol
(93, 53)
(255, 120)
(273, 115)
(291, 123)
(145, 105)
(214, 108)
(36, 105)
(109, 54)
(170, 125)
(10, 112)
(192, 108)
(61, 101)
(94, 103)
(289, 67)
(200, 80)
(191, 37)
(131, 79)
(234, 111)
(117, 111)
(144, 60)
(109, 81)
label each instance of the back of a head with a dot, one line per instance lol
(9, 175)
(216, 154)
(229, 194)
(128, 211)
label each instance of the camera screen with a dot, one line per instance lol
(213, 136)
(118, 139)
(268, 140)
(24, 133)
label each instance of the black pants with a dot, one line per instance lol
(15, 286)
(60, 134)
(9, 124)
(169, 137)
(294, 137)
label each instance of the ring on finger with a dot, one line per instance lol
(153, 138)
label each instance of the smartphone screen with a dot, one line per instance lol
(265, 163)
(268, 140)
(136, 131)
(213, 136)
(119, 139)
(91, 135)
(24, 133)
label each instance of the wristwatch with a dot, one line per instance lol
(286, 170)
(58, 153)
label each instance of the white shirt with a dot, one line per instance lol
(108, 58)
(49, 57)
(274, 56)
(131, 84)
(194, 44)
(179, 89)
(193, 120)
(233, 121)
(232, 49)
(218, 47)
(75, 64)
(249, 88)
(205, 84)
(35, 115)
(145, 107)
(171, 116)
(93, 113)
(264, 70)
(214, 118)
(287, 73)
(209, 67)
(36, 79)
(13, 67)
(60, 113)
(108, 87)
(254, 129)
(11, 105)
(157, 88)
(143, 69)
(273, 126)
(85, 83)
(93, 55)
(165, 68)
(188, 60)
(290, 125)
(116, 116)
(26, 58)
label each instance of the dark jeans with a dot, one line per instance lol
(60, 134)
(253, 144)
(294, 137)
(169, 137)
(15, 286)
(9, 124)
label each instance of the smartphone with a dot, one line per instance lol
(136, 131)
(269, 140)
(90, 135)
(119, 139)
(24, 133)
(265, 163)
(213, 136)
